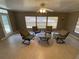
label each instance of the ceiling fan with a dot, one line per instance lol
(43, 9)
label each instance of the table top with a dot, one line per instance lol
(43, 34)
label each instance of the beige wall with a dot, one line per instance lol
(20, 18)
(71, 22)
(12, 20)
(66, 21)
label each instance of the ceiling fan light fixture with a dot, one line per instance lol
(42, 10)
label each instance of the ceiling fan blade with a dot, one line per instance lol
(49, 10)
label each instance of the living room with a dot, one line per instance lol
(34, 29)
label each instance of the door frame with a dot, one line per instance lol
(6, 34)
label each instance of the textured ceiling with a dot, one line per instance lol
(33, 5)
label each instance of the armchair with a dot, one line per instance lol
(61, 37)
(26, 36)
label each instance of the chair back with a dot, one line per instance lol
(34, 28)
(67, 34)
(48, 28)
(24, 32)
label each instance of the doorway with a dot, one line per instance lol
(5, 21)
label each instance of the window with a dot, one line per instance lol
(77, 27)
(3, 11)
(30, 21)
(41, 22)
(52, 21)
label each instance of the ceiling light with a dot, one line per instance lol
(43, 9)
